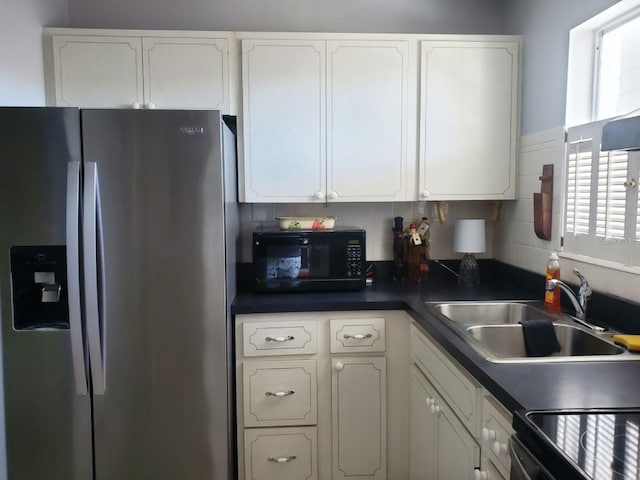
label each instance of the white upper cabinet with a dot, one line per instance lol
(97, 71)
(138, 69)
(186, 73)
(367, 120)
(469, 118)
(327, 120)
(283, 106)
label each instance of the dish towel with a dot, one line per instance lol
(539, 337)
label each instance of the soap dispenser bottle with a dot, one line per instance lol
(552, 295)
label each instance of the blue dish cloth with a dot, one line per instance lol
(539, 337)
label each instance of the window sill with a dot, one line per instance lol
(600, 263)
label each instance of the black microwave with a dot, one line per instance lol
(309, 261)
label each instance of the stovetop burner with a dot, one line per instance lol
(603, 444)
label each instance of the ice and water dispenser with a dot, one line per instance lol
(39, 287)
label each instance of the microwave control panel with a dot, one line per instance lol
(354, 259)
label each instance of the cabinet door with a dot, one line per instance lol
(359, 418)
(423, 429)
(367, 120)
(469, 120)
(458, 453)
(97, 71)
(283, 123)
(190, 73)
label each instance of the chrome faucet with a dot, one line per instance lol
(578, 301)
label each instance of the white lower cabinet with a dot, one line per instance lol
(457, 430)
(423, 429)
(439, 447)
(488, 472)
(359, 418)
(496, 430)
(281, 453)
(322, 395)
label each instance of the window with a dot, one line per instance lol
(617, 89)
(602, 206)
(604, 66)
(618, 74)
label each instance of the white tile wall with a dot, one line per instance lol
(376, 219)
(515, 241)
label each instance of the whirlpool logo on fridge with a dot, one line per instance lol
(192, 130)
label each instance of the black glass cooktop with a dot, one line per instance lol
(600, 444)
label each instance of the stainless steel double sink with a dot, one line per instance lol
(494, 331)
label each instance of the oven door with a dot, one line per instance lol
(524, 465)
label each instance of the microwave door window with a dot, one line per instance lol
(284, 262)
(319, 261)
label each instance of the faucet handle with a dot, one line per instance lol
(585, 288)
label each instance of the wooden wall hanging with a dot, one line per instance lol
(543, 203)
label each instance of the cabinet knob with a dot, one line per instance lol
(339, 366)
(151, 106)
(488, 434)
(318, 195)
(499, 448)
(425, 194)
(435, 408)
(479, 474)
(333, 195)
(136, 105)
(429, 401)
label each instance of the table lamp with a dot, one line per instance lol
(469, 238)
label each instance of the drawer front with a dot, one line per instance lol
(281, 453)
(357, 335)
(496, 430)
(279, 393)
(462, 394)
(280, 338)
(491, 471)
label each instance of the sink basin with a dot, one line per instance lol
(508, 341)
(490, 313)
(493, 330)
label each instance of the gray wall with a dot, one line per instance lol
(409, 16)
(21, 71)
(545, 25)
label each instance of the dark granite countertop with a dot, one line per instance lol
(517, 386)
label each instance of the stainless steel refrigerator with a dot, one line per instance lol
(118, 233)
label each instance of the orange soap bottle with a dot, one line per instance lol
(552, 295)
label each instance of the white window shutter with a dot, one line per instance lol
(602, 209)
(579, 187)
(612, 194)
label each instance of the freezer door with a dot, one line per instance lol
(161, 391)
(47, 412)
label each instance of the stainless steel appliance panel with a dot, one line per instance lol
(160, 281)
(48, 425)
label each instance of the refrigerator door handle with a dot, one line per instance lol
(92, 284)
(73, 277)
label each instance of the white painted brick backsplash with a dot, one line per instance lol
(515, 241)
(375, 218)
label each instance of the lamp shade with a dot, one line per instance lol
(468, 236)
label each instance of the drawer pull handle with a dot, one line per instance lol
(357, 336)
(282, 459)
(280, 394)
(280, 339)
